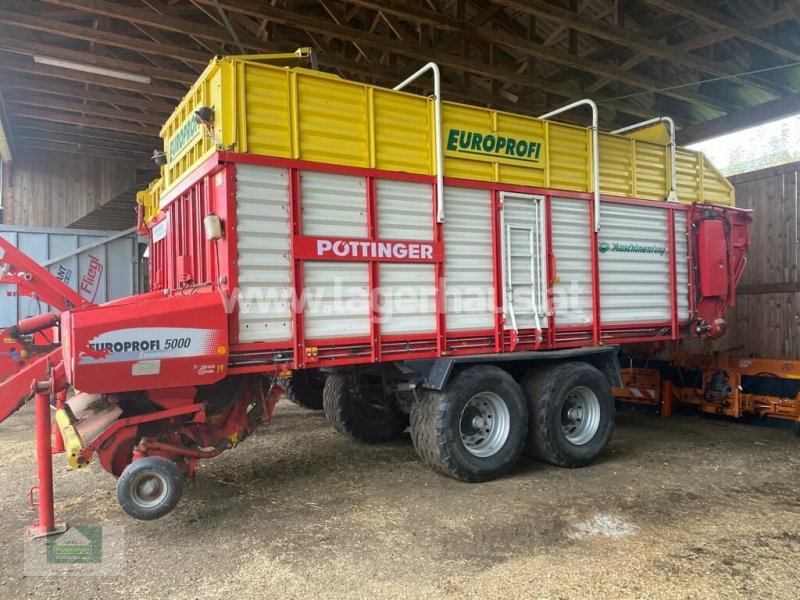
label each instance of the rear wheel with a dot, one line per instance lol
(149, 488)
(305, 388)
(572, 413)
(474, 430)
(361, 412)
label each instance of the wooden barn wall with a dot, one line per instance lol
(56, 189)
(766, 318)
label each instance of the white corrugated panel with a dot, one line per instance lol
(333, 204)
(634, 264)
(572, 291)
(408, 291)
(682, 263)
(405, 210)
(524, 251)
(262, 210)
(468, 259)
(408, 298)
(336, 299)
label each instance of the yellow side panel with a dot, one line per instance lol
(466, 118)
(186, 142)
(688, 175)
(264, 100)
(616, 166)
(716, 189)
(403, 132)
(651, 171)
(569, 157)
(333, 121)
(524, 173)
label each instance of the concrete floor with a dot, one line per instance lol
(686, 508)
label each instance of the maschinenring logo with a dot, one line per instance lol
(631, 248)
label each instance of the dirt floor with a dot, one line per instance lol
(686, 508)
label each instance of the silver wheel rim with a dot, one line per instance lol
(580, 416)
(485, 424)
(149, 489)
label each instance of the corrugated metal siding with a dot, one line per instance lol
(263, 244)
(634, 286)
(468, 259)
(408, 298)
(117, 278)
(336, 299)
(336, 293)
(405, 210)
(573, 286)
(407, 301)
(333, 204)
(682, 265)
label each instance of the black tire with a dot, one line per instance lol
(438, 420)
(552, 391)
(305, 388)
(149, 504)
(367, 420)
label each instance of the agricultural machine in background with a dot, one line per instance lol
(459, 271)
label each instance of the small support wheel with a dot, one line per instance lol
(149, 488)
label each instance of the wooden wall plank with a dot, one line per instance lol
(55, 189)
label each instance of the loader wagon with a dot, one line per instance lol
(399, 261)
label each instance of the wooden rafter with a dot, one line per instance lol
(519, 55)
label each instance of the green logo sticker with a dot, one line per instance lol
(631, 248)
(491, 146)
(78, 545)
(183, 138)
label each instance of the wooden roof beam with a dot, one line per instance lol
(19, 46)
(565, 59)
(736, 121)
(637, 42)
(324, 26)
(127, 42)
(69, 91)
(28, 67)
(92, 123)
(17, 101)
(716, 19)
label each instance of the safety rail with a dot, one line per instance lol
(595, 150)
(437, 118)
(672, 196)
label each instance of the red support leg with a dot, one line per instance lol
(44, 462)
(58, 441)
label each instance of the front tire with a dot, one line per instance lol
(149, 488)
(572, 413)
(366, 417)
(475, 429)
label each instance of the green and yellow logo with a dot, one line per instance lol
(493, 147)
